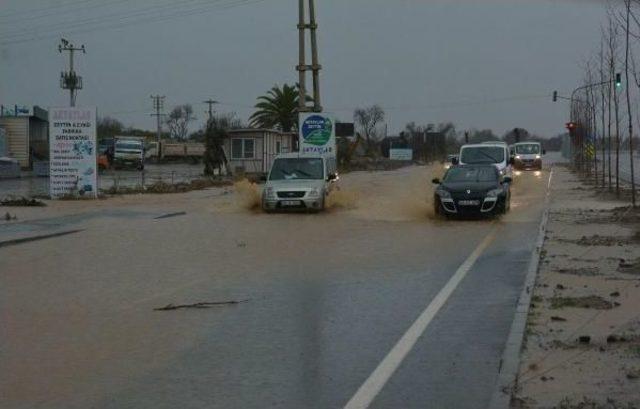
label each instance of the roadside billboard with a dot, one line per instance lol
(72, 152)
(401, 154)
(317, 134)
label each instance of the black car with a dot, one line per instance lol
(472, 189)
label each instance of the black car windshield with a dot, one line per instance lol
(482, 154)
(480, 174)
(297, 168)
(528, 149)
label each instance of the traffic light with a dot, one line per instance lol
(618, 80)
(555, 96)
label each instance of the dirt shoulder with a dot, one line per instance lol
(582, 346)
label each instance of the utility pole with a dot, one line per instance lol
(210, 102)
(315, 66)
(68, 79)
(158, 106)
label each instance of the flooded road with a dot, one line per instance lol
(328, 297)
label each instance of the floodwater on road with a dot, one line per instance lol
(327, 296)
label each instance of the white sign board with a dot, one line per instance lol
(401, 154)
(72, 152)
(317, 134)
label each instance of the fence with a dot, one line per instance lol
(115, 181)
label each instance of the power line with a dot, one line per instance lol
(453, 104)
(189, 12)
(37, 9)
(37, 14)
(111, 17)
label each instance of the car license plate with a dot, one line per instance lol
(469, 202)
(290, 203)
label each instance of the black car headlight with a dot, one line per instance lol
(494, 193)
(443, 194)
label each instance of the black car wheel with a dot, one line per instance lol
(501, 206)
(437, 208)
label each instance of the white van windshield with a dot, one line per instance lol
(482, 155)
(134, 146)
(297, 168)
(528, 149)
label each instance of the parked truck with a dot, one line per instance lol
(175, 150)
(128, 152)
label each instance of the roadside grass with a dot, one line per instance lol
(591, 301)
(633, 373)
(21, 202)
(8, 217)
(586, 403)
(163, 187)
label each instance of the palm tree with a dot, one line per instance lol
(277, 109)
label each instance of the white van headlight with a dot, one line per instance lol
(270, 193)
(315, 192)
(537, 156)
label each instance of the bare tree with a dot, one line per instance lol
(216, 130)
(611, 38)
(591, 121)
(613, 46)
(368, 120)
(603, 100)
(627, 21)
(178, 121)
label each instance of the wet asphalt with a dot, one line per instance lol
(328, 297)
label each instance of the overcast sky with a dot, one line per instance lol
(478, 63)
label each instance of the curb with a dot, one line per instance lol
(510, 361)
(13, 242)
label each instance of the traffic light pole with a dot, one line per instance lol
(575, 91)
(575, 135)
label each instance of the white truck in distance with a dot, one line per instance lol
(128, 152)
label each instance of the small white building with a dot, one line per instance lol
(26, 133)
(253, 150)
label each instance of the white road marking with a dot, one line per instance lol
(381, 375)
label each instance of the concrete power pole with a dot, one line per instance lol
(158, 106)
(68, 79)
(210, 102)
(302, 67)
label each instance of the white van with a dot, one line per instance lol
(496, 153)
(298, 182)
(528, 155)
